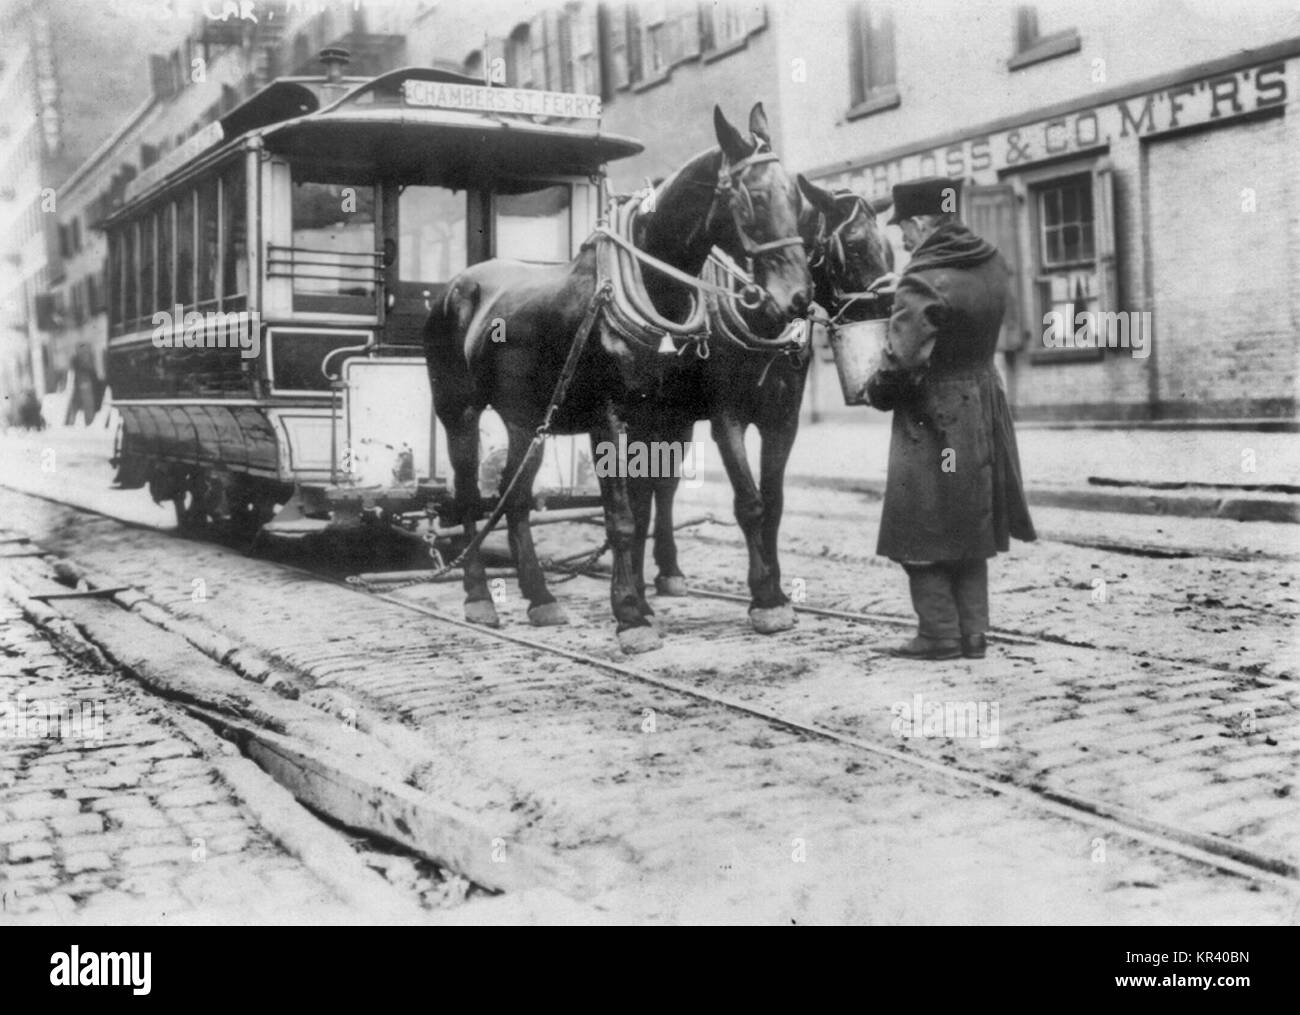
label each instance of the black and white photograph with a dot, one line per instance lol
(665, 463)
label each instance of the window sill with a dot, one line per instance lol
(662, 78)
(734, 46)
(885, 98)
(1047, 48)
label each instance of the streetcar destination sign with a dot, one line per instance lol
(519, 101)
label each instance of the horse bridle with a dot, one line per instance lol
(740, 203)
(828, 249)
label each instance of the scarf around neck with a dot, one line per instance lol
(952, 245)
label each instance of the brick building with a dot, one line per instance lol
(1127, 158)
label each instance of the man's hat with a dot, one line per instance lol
(931, 195)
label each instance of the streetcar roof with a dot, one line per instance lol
(370, 126)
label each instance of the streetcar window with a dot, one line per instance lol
(334, 239)
(208, 236)
(115, 281)
(185, 249)
(129, 277)
(146, 266)
(433, 233)
(165, 229)
(234, 234)
(534, 226)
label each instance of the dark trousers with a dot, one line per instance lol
(951, 598)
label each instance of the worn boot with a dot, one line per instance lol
(970, 585)
(938, 631)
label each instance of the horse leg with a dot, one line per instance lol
(777, 445)
(635, 634)
(729, 433)
(543, 610)
(670, 580)
(462, 449)
(641, 492)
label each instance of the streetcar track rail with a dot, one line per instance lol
(1199, 847)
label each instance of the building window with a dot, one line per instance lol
(873, 73)
(583, 60)
(1071, 256)
(1065, 222)
(519, 58)
(725, 27)
(1032, 46)
(657, 43)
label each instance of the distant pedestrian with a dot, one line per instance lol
(953, 493)
(29, 411)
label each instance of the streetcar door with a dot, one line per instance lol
(426, 244)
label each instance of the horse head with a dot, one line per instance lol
(755, 217)
(847, 250)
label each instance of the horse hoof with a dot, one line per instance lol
(639, 639)
(772, 619)
(481, 611)
(547, 615)
(670, 585)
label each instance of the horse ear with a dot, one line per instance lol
(820, 199)
(758, 124)
(729, 140)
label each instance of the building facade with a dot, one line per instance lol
(1130, 159)
(1136, 163)
(194, 62)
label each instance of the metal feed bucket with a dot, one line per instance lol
(858, 348)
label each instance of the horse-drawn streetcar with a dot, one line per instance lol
(315, 301)
(269, 280)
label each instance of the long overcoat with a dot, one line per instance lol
(954, 489)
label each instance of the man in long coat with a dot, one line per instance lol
(953, 494)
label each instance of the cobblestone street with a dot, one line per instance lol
(130, 822)
(1115, 705)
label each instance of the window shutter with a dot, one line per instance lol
(559, 76)
(614, 19)
(990, 212)
(635, 57)
(1103, 228)
(537, 39)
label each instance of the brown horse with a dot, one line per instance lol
(736, 196)
(738, 386)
